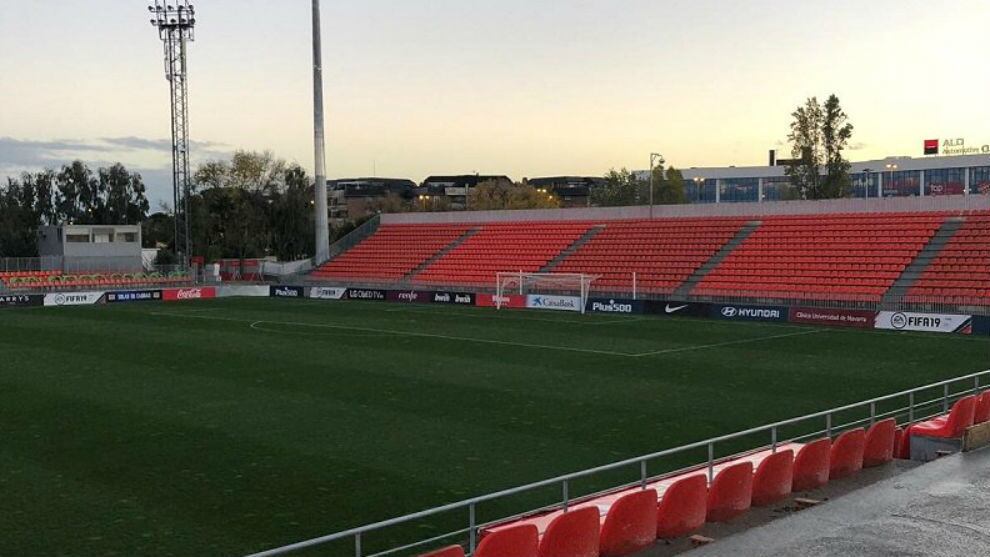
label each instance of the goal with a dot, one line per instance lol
(553, 284)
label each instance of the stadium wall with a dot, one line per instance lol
(886, 205)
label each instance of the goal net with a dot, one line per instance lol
(551, 284)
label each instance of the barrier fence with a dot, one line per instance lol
(907, 407)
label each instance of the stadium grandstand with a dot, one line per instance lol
(864, 253)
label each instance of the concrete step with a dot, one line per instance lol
(925, 257)
(433, 258)
(571, 249)
(685, 289)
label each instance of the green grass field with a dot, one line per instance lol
(230, 426)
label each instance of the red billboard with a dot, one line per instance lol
(514, 301)
(183, 294)
(931, 146)
(855, 318)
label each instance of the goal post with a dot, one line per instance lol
(560, 284)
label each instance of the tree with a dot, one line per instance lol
(621, 189)
(497, 196)
(819, 134)
(669, 187)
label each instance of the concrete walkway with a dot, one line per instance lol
(938, 509)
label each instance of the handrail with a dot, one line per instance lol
(472, 503)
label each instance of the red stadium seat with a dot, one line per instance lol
(773, 479)
(731, 492)
(683, 508)
(517, 541)
(572, 534)
(951, 426)
(630, 525)
(880, 443)
(846, 458)
(982, 412)
(452, 551)
(811, 466)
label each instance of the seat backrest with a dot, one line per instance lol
(982, 413)
(961, 416)
(731, 493)
(847, 454)
(774, 478)
(517, 541)
(631, 524)
(452, 551)
(683, 508)
(880, 443)
(811, 466)
(572, 534)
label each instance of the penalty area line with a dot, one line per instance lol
(253, 323)
(727, 343)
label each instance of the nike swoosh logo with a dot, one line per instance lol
(674, 310)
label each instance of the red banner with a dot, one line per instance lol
(514, 301)
(183, 294)
(855, 318)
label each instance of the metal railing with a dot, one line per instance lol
(907, 407)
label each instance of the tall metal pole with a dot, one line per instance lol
(320, 191)
(175, 24)
(654, 159)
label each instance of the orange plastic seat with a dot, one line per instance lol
(846, 457)
(880, 443)
(982, 412)
(774, 478)
(630, 525)
(572, 534)
(731, 492)
(811, 466)
(518, 541)
(683, 508)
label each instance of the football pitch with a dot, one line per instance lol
(230, 426)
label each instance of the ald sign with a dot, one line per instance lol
(952, 147)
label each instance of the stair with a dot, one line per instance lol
(447, 249)
(925, 257)
(571, 249)
(685, 289)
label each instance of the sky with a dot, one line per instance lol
(519, 87)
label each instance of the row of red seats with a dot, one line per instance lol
(966, 412)
(629, 521)
(392, 251)
(961, 269)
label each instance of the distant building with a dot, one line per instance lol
(573, 191)
(91, 247)
(353, 198)
(456, 188)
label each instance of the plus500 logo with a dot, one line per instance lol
(611, 307)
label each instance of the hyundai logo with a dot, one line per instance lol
(729, 311)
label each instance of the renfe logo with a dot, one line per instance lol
(611, 307)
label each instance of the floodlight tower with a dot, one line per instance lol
(319, 146)
(175, 21)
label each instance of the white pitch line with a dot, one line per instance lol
(727, 343)
(255, 323)
(476, 315)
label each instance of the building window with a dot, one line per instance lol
(699, 191)
(740, 190)
(779, 188)
(127, 237)
(77, 238)
(864, 184)
(945, 181)
(902, 183)
(979, 180)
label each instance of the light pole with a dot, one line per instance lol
(319, 145)
(654, 159)
(698, 184)
(890, 168)
(176, 24)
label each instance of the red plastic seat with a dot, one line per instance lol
(631, 524)
(683, 508)
(811, 466)
(452, 551)
(518, 541)
(982, 412)
(880, 443)
(731, 493)
(773, 479)
(951, 426)
(846, 458)
(572, 534)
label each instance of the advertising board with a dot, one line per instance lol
(327, 293)
(734, 312)
(73, 298)
(924, 322)
(676, 309)
(20, 300)
(129, 296)
(410, 296)
(185, 294)
(286, 291)
(513, 301)
(458, 298)
(553, 303)
(367, 294)
(615, 306)
(853, 318)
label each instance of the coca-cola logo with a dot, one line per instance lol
(189, 294)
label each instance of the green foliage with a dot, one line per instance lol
(819, 135)
(621, 189)
(498, 196)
